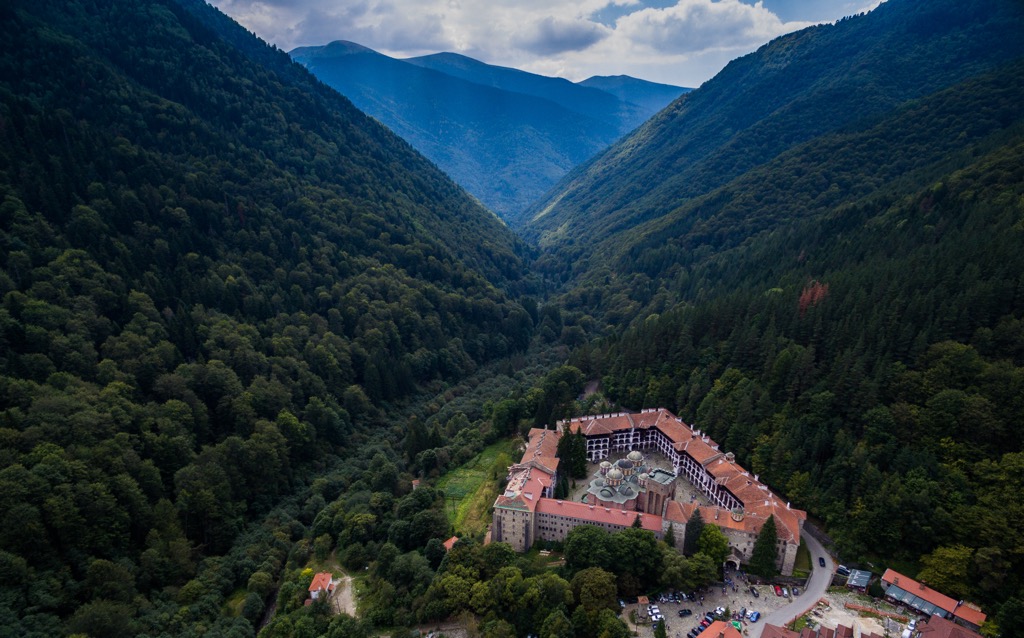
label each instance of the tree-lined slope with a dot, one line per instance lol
(214, 267)
(813, 82)
(845, 315)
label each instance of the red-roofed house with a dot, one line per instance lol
(322, 585)
(922, 598)
(526, 511)
(938, 627)
(450, 543)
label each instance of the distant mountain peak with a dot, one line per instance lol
(504, 134)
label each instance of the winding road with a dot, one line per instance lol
(818, 583)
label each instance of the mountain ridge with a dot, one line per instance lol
(789, 92)
(504, 134)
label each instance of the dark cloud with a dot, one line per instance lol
(551, 35)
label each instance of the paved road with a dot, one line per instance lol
(816, 587)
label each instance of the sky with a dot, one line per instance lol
(681, 42)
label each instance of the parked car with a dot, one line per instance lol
(719, 611)
(753, 590)
(692, 633)
(700, 628)
(683, 613)
(796, 591)
(778, 590)
(657, 617)
(785, 592)
(704, 623)
(821, 561)
(843, 570)
(755, 616)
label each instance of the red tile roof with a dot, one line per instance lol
(721, 629)
(598, 514)
(450, 543)
(321, 582)
(939, 627)
(774, 631)
(920, 590)
(970, 613)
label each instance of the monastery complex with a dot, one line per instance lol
(629, 483)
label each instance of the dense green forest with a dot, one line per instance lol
(800, 86)
(847, 318)
(216, 276)
(239, 317)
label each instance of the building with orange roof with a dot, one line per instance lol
(939, 627)
(624, 488)
(450, 543)
(904, 590)
(721, 629)
(322, 585)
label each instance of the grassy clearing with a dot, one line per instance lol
(234, 603)
(471, 489)
(803, 558)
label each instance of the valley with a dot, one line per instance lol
(251, 334)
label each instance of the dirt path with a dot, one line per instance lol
(345, 597)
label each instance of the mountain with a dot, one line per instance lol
(799, 86)
(648, 95)
(818, 256)
(215, 272)
(592, 101)
(505, 135)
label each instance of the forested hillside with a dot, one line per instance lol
(215, 272)
(816, 81)
(847, 315)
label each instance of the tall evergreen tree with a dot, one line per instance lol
(572, 450)
(693, 529)
(670, 536)
(762, 560)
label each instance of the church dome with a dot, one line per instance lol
(625, 464)
(606, 464)
(615, 474)
(635, 456)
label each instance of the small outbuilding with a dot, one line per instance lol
(322, 585)
(858, 579)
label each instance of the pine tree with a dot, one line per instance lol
(762, 560)
(670, 536)
(693, 529)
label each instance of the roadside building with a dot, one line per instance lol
(858, 580)
(921, 598)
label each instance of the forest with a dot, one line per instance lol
(238, 319)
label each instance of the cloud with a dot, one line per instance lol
(693, 26)
(678, 41)
(550, 35)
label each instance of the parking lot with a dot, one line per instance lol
(735, 598)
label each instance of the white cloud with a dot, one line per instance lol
(685, 42)
(695, 26)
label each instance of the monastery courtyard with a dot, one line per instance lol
(685, 491)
